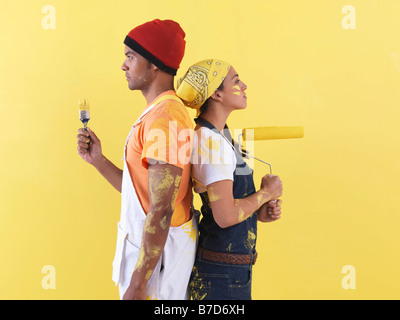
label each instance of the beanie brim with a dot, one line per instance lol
(145, 54)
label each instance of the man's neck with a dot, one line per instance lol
(155, 89)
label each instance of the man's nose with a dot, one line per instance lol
(124, 67)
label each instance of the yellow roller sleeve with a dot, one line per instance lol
(270, 133)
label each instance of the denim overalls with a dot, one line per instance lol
(214, 280)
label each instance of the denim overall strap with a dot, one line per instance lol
(240, 238)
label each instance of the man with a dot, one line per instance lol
(157, 232)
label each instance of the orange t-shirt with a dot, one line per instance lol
(163, 134)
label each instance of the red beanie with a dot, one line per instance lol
(159, 41)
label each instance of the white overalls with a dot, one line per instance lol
(170, 281)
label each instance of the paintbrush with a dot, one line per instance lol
(84, 114)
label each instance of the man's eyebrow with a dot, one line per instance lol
(128, 52)
(236, 75)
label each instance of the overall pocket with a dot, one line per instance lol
(240, 284)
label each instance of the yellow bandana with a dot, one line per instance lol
(201, 81)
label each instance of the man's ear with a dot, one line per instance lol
(217, 96)
(154, 67)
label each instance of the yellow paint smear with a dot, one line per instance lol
(259, 199)
(163, 223)
(190, 229)
(250, 242)
(140, 261)
(176, 183)
(241, 215)
(236, 87)
(152, 251)
(148, 274)
(213, 145)
(148, 228)
(212, 195)
(199, 290)
(159, 185)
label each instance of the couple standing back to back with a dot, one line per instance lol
(162, 251)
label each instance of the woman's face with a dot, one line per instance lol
(233, 93)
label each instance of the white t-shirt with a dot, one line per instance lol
(213, 159)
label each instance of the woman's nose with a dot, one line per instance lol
(244, 87)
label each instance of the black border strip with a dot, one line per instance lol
(144, 53)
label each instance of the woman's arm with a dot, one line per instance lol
(228, 211)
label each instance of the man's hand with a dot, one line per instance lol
(270, 211)
(89, 146)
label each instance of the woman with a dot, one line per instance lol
(228, 229)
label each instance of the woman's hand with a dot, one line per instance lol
(270, 211)
(272, 185)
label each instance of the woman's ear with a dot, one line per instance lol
(217, 96)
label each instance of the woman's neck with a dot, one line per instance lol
(216, 116)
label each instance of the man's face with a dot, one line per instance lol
(138, 70)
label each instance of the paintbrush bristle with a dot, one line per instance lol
(83, 104)
(84, 114)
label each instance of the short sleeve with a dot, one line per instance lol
(213, 159)
(166, 139)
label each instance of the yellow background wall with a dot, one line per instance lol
(301, 66)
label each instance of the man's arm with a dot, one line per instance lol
(89, 148)
(164, 180)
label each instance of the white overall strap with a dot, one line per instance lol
(161, 99)
(146, 111)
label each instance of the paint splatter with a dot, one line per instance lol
(147, 224)
(148, 274)
(159, 185)
(140, 261)
(241, 215)
(259, 199)
(250, 241)
(190, 229)
(153, 251)
(163, 223)
(176, 184)
(213, 145)
(212, 195)
(198, 287)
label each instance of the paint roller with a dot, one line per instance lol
(269, 133)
